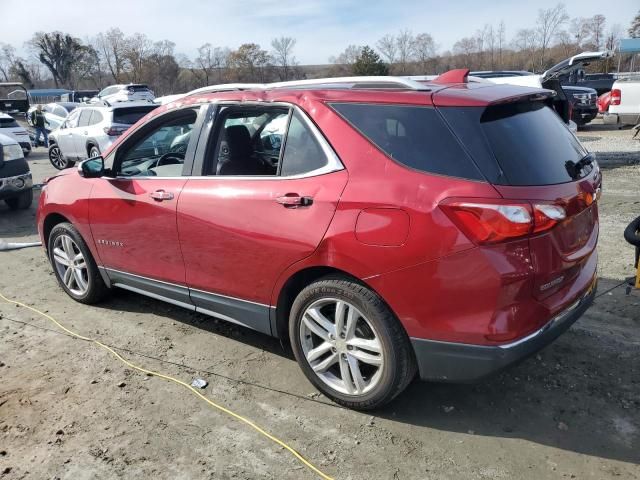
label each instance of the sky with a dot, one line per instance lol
(322, 28)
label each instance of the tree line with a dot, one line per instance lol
(61, 60)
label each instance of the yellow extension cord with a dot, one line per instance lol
(179, 382)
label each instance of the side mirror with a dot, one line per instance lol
(91, 168)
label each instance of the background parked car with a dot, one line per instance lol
(583, 103)
(624, 106)
(15, 177)
(90, 130)
(600, 82)
(55, 113)
(13, 98)
(124, 93)
(10, 127)
(78, 96)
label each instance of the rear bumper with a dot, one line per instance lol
(460, 362)
(621, 118)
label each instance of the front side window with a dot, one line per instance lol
(160, 151)
(72, 120)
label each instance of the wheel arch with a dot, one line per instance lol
(91, 142)
(296, 283)
(50, 221)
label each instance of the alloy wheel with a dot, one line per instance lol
(341, 346)
(71, 265)
(58, 161)
(94, 152)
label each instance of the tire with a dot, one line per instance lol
(375, 325)
(57, 159)
(85, 285)
(21, 202)
(94, 151)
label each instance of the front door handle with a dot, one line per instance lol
(293, 200)
(161, 195)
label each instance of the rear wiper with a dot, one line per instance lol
(575, 168)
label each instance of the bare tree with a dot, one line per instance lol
(596, 30)
(547, 25)
(405, 43)
(7, 60)
(249, 63)
(388, 47)
(525, 42)
(60, 53)
(111, 48)
(137, 48)
(501, 40)
(343, 63)
(424, 50)
(283, 56)
(466, 48)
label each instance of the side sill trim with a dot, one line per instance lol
(155, 295)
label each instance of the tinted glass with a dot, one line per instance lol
(72, 119)
(8, 123)
(129, 116)
(249, 141)
(85, 115)
(531, 143)
(414, 136)
(302, 151)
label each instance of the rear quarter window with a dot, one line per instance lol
(416, 137)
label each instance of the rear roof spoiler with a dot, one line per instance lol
(459, 75)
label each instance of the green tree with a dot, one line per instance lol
(369, 63)
(634, 29)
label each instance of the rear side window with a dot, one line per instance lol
(414, 136)
(8, 123)
(532, 144)
(96, 117)
(129, 116)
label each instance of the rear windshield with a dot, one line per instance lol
(527, 143)
(414, 136)
(130, 115)
(8, 123)
(138, 88)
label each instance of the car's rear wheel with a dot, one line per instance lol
(20, 202)
(74, 266)
(94, 151)
(349, 344)
(57, 159)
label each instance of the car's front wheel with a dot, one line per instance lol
(94, 151)
(74, 266)
(349, 344)
(57, 159)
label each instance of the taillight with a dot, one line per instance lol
(114, 131)
(488, 222)
(616, 97)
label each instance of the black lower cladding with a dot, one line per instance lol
(462, 363)
(242, 312)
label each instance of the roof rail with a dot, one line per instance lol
(355, 82)
(227, 87)
(345, 82)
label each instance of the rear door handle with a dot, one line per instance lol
(293, 200)
(161, 195)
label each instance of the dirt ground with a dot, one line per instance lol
(68, 410)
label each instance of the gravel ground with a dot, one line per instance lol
(68, 410)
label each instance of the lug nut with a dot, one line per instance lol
(342, 335)
(349, 347)
(333, 349)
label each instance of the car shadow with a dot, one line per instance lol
(580, 394)
(16, 224)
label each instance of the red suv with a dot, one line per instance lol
(383, 226)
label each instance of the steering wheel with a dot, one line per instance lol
(170, 158)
